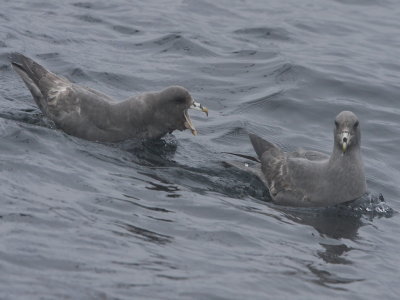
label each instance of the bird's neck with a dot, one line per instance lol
(353, 153)
(343, 166)
(346, 173)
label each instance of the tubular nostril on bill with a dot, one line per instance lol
(344, 140)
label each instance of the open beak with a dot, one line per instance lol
(197, 106)
(188, 123)
(345, 138)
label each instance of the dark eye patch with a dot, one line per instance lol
(356, 124)
(180, 99)
(336, 124)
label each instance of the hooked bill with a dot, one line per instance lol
(345, 135)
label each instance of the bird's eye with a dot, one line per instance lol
(180, 99)
(336, 124)
(356, 124)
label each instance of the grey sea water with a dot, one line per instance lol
(167, 219)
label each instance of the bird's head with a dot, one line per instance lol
(174, 103)
(347, 131)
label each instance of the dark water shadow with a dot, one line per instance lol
(328, 222)
(29, 116)
(144, 234)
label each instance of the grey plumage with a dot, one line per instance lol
(92, 115)
(310, 178)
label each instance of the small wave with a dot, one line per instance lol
(86, 5)
(270, 33)
(361, 3)
(96, 5)
(48, 37)
(4, 17)
(78, 73)
(48, 55)
(258, 105)
(176, 43)
(255, 54)
(143, 234)
(117, 80)
(5, 67)
(125, 30)
(89, 19)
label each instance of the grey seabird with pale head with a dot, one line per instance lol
(92, 115)
(310, 178)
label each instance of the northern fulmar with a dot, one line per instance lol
(310, 178)
(89, 114)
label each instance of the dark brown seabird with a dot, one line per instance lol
(92, 115)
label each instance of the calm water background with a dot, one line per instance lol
(167, 220)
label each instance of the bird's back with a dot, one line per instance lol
(300, 178)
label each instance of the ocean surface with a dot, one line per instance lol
(168, 219)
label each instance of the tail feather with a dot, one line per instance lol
(42, 78)
(31, 85)
(38, 80)
(260, 145)
(33, 70)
